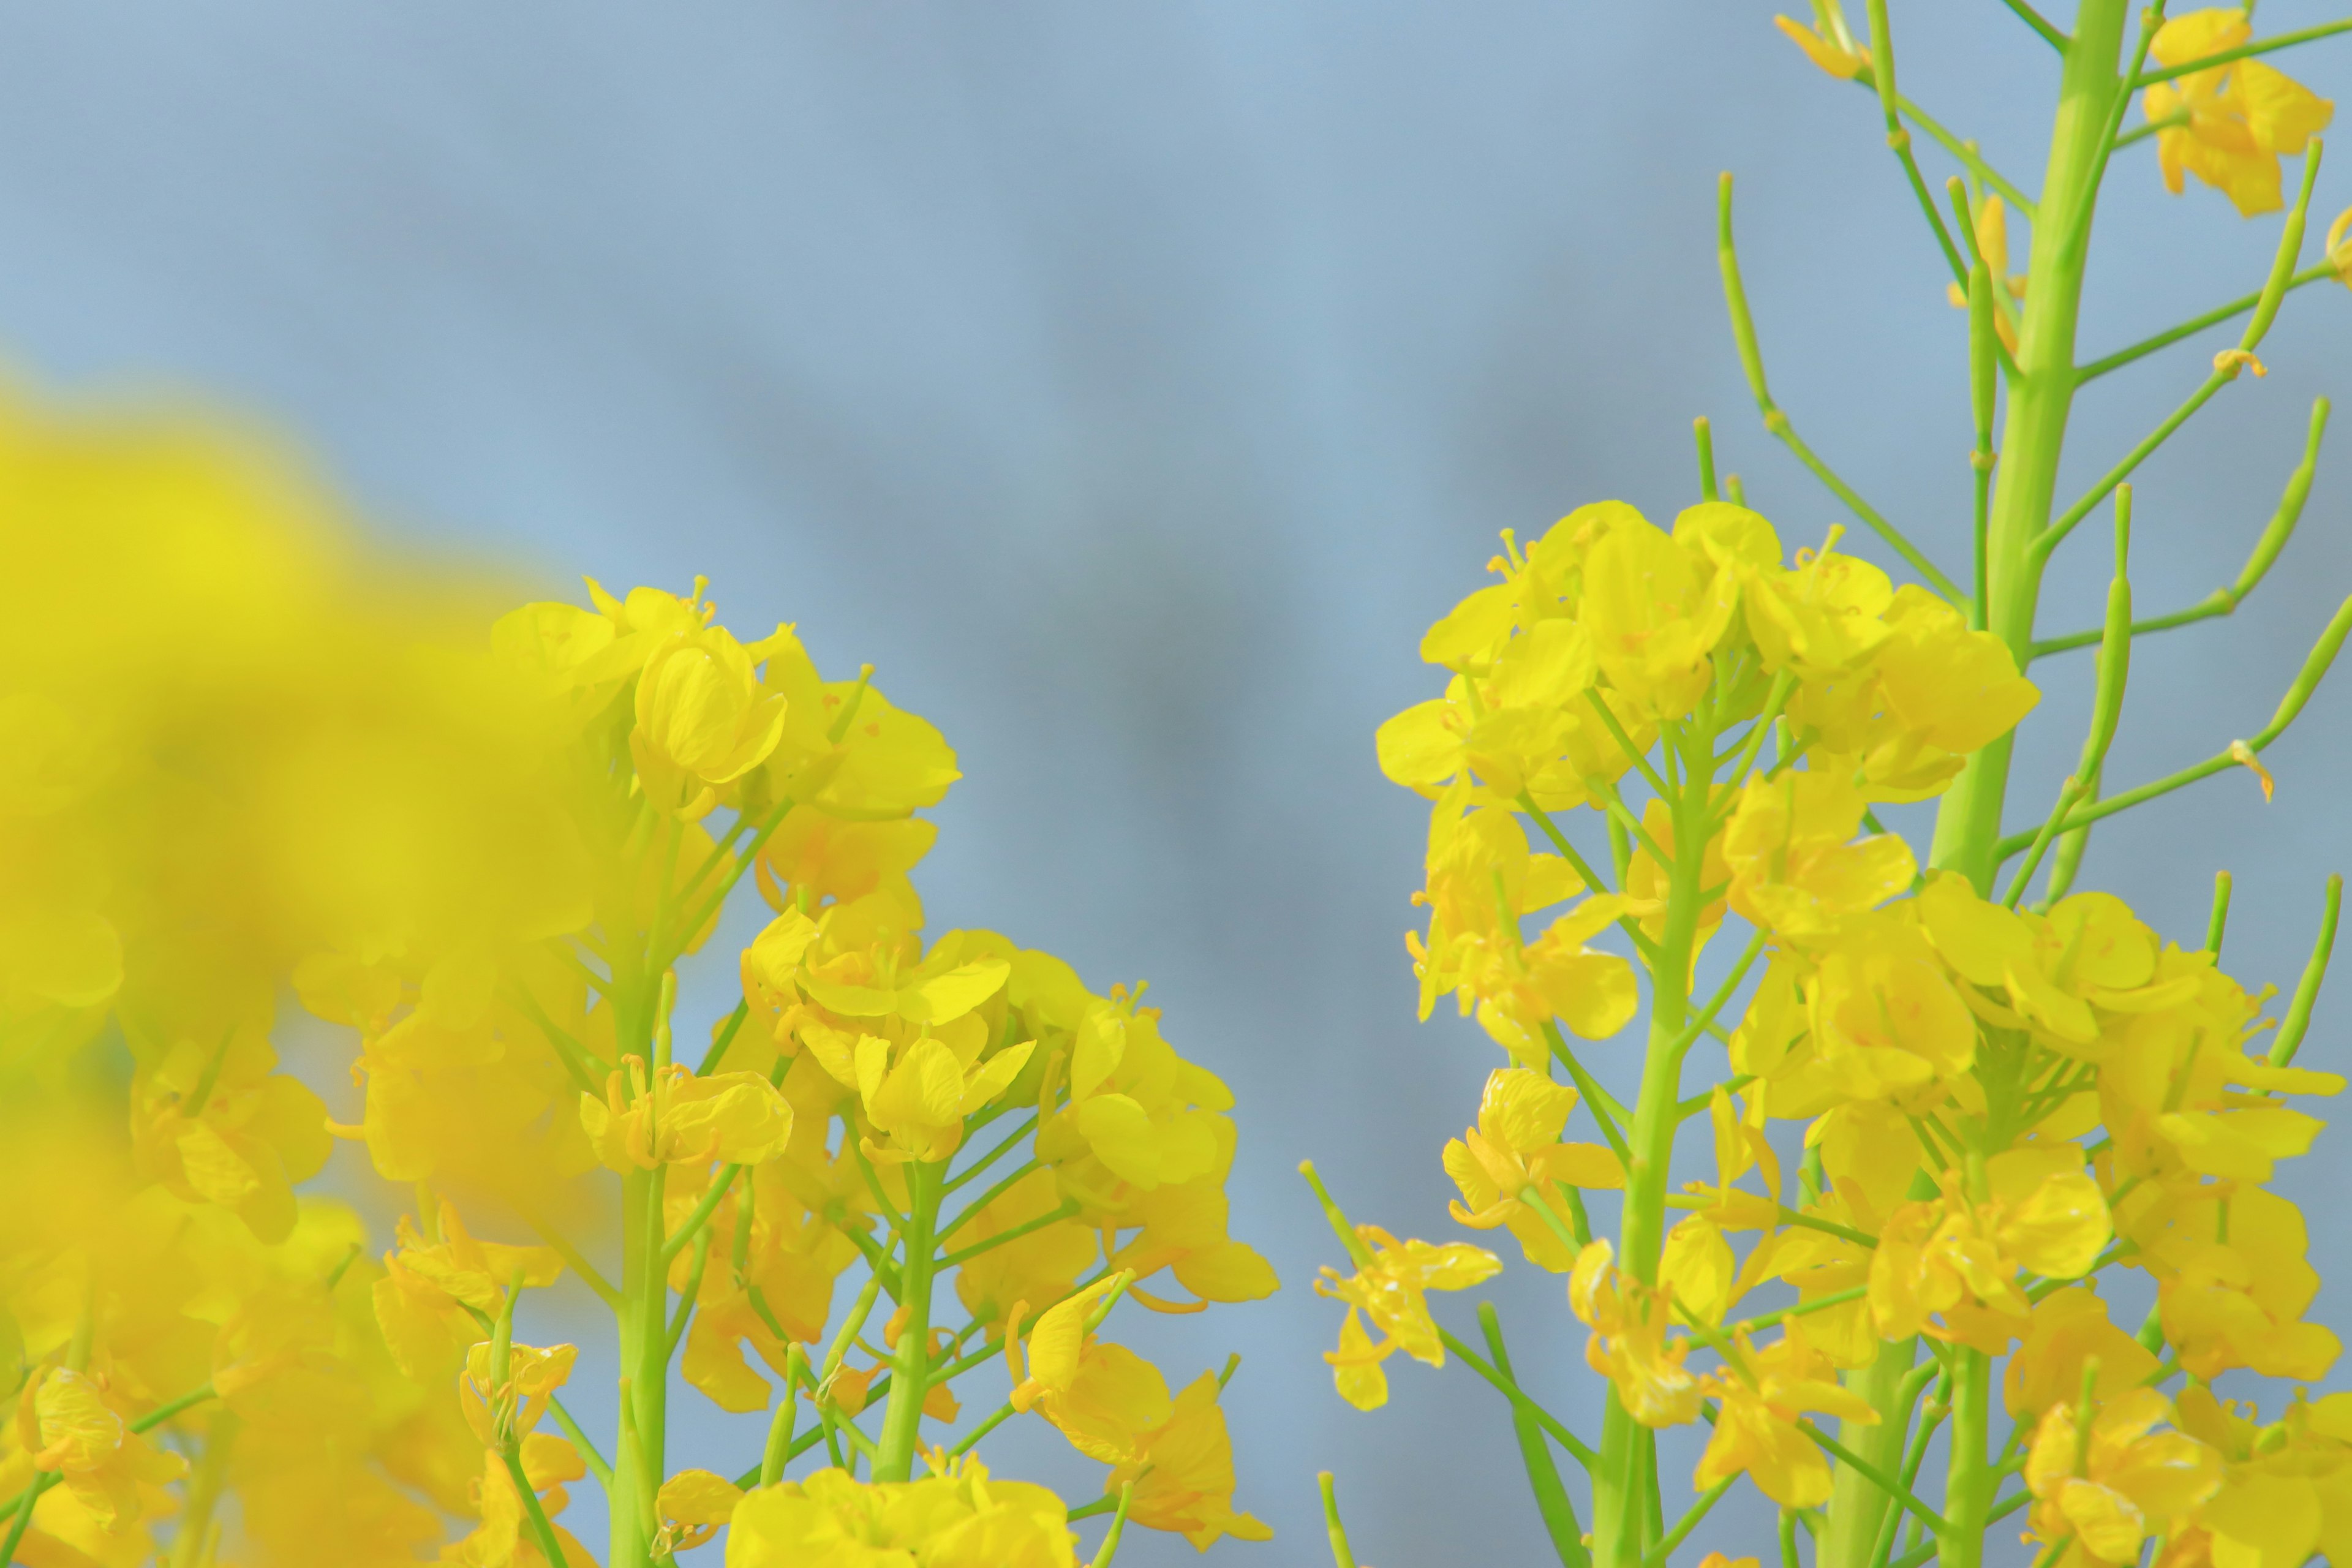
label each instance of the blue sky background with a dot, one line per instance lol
(1132, 383)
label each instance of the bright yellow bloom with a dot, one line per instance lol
(1654, 613)
(1795, 868)
(692, 1505)
(964, 1519)
(1482, 883)
(702, 719)
(1507, 1165)
(1949, 1258)
(503, 1413)
(2240, 115)
(1629, 1345)
(2236, 1302)
(1763, 1394)
(65, 1422)
(1184, 1473)
(2067, 1329)
(2127, 1482)
(686, 1120)
(1392, 1291)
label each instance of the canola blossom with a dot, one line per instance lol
(1994, 1189)
(251, 771)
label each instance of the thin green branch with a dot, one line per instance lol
(2191, 327)
(1872, 1474)
(1593, 880)
(2240, 754)
(1552, 1503)
(1751, 360)
(2172, 121)
(2242, 52)
(1060, 1212)
(1578, 1449)
(702, 1212)
(725, 1038)
(1606, 1113)
(1723, 993)
(2034, 19)
(580, 1440)
(1898, 139)
(2226, 365)
(2274, 536)
(2307, 989)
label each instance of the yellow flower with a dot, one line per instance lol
(680, 1118)
(1654, 613)
(63, 1421)
(1392, 1289)
(702, 720)
(1507, 1165)
(2338, 250)
(1482, 883)
(2238, 1302)
(961, 1520)
(1184, 1473)
(692, 1505)
(1356, 1364)
(2067, 1329)
(2123, 1483)
(2241, 116)
(1764, 1393)
(1949, 1258)
(1629, 1346)
(1795, 868)
(502, 1413)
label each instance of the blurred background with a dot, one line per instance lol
(1132, 385)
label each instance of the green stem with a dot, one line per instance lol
(1535, 1452)
(1621, 1503)
(910, 1375)
(2041, 400)
(1968, 1482)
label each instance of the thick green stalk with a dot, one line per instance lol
(2040, 399)
(1968, 1484)
(1857, 1509)
(1620, 1486)
(644, 1322)
(911, 1372)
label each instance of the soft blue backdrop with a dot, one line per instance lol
(1133, 383)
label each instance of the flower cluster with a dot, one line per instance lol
(1998, 1104)
(483, 847)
